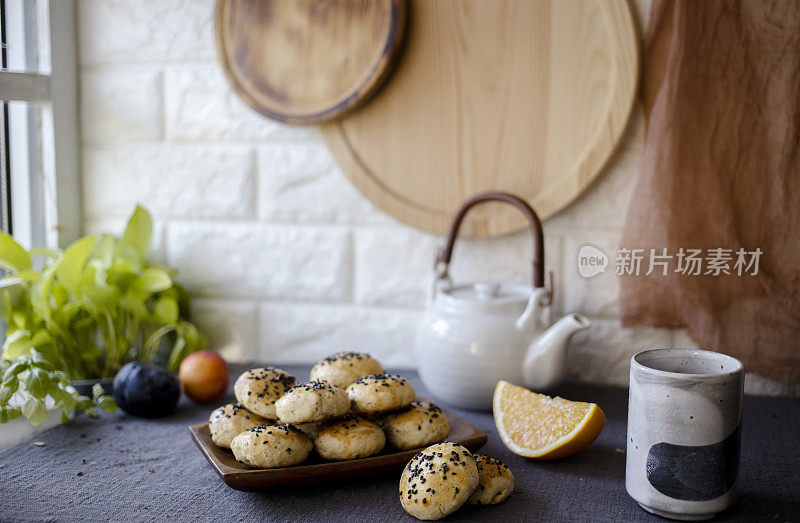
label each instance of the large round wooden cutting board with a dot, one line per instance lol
(308, 61)
(525, 96)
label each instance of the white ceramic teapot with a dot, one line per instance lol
(474, 334)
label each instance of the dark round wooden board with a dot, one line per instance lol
(308, 61)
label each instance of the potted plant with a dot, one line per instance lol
(82, 315)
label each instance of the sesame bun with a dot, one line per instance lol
(310, 429)
(418, 425)
(271, 445)
(352, 437)
(229, 421)
(343, 368)
(312, 402)
(258, 389)
(380, 393)
(495, 481)
(437, 481)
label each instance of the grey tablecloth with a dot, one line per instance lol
(124, 468)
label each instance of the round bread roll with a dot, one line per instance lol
(258, 389)
(343, 368)
(228, 421)
(380, 393)
(437, 481)
(350, 438)
(495, 481)
(312, 402)
(271, 445)
(419, 425)
(310, 429)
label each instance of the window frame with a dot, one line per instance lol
(44, 148)
(43, 139)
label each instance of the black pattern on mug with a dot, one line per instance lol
(692, 473)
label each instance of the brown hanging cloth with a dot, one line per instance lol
(721, 170)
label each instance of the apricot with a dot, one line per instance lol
(203, 376)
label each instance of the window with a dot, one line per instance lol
(39, 185)
(39, 162)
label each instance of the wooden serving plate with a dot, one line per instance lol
(308, 61)
(315, 469)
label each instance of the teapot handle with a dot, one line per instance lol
(445, 254)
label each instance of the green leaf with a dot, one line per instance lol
(46, 253)
(139, 231)
(179, 351)
(61, 377)
(14, 369)
(100, 296)
(92, 412)
(40, 338)
(169, 270)
(70, 268)
(45, 282)
(92, 353)
(184, 304)
(9, 413)
(60, 295)
(194, 339)
(23, 276)
(6, 304)
(103, 252)
(95, 273)
(107, 403)
(12, 256)
(65, 417)
(134, 305)
(38, 302)
(83, 402)
(16, 344)
(43, 364)
(37, 382)
(65, 398)
(5, 394)
(89, 274)
(97, 391)
(165, 311)
(19, 320)
(126, 259)
(151, 280)
(35, 411)
(64, 316)
(12, 382)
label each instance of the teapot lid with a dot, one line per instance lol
(485, 296)
(490, 291)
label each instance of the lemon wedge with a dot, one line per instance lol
(538, 426)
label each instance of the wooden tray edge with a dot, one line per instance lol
(259, 479)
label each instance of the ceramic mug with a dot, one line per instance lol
(684, 425)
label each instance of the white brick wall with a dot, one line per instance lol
(286, 260)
